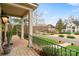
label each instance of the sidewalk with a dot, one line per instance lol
(64, 44)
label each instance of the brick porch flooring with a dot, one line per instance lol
(20, 48)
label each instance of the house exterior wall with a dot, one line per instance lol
(43, 28)
(69, 28)
(78, 29)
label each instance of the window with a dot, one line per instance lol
(68, 31)
(73, 27)
(73, 30)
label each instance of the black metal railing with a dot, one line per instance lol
(52, 49)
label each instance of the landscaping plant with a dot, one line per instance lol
(76, 33)
(50, 51)
(72, 37)
(61, 35)
(65, 32)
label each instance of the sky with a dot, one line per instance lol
(52, 12)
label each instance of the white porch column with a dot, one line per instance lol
(0, 26)
(30, 28)
(22, 29)
(6, 29)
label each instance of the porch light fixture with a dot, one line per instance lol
(5, 19)
(3, 16)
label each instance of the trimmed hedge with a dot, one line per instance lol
(61, 35)
(76, 33)
(65, 33)
(50, 51)
(72, 37)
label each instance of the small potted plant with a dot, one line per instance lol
(7, 47)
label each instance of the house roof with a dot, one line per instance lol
(76, 23)
(64, 26)
(51, 25)
(45, 26)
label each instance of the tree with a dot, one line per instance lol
(37, 20)
(59, 25)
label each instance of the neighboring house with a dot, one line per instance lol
(50, 28)
(43, 28)
(71, 26)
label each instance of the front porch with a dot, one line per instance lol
(20, 48)
(25, 12)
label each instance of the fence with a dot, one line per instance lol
(52, 49)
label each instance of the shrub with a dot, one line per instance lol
(52, 33)
(76, 33)
(65, 32)
(9, 35)
(50, 51)
(72, 37)
(26, 36)
(61, 42)
(72, 43)
(61, 35)
(14, 30)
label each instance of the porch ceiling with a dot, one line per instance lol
(18, 9)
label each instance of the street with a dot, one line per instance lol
(75, 41)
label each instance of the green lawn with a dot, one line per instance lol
(72, 48)
(43, 40)
(76, 48)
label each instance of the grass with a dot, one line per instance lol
(76, 48)
(68, 48)
(43, 40)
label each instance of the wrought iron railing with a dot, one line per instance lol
(52, 49)
(58, 50)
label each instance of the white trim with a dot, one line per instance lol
(20, 6)
(33, 4)
(30, 28)
(22, 29)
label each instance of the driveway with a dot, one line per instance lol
(76, 41)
